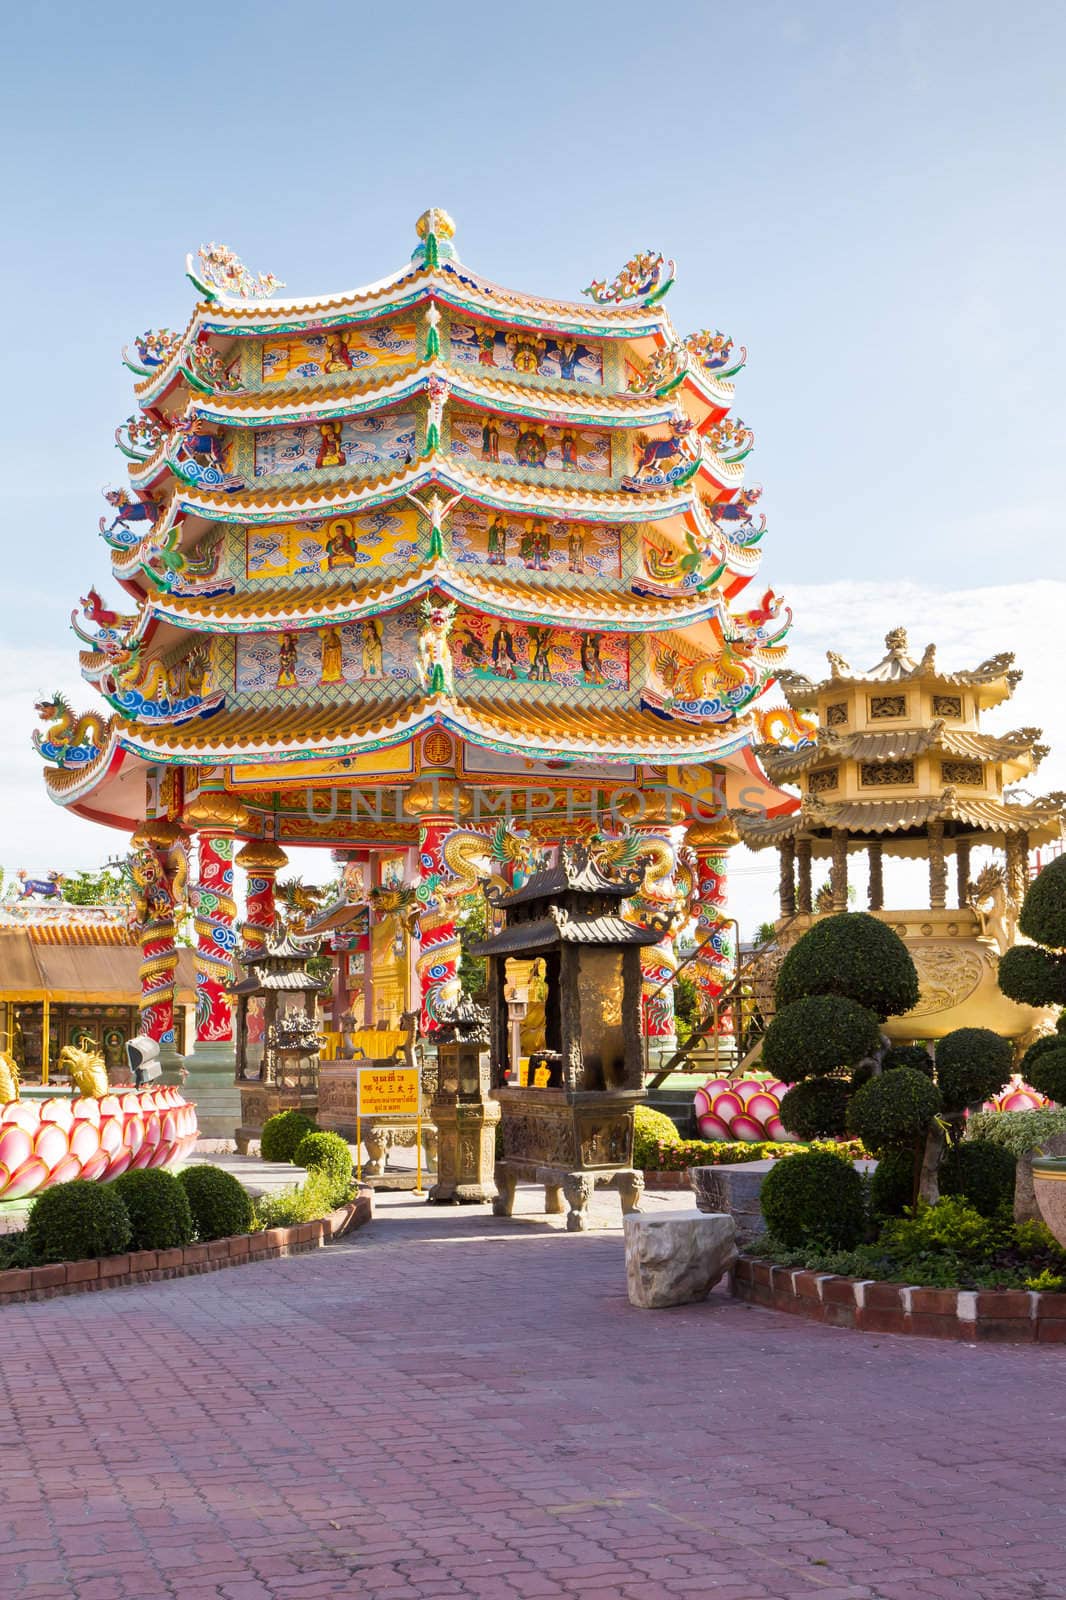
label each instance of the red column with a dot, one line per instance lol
(439, 949)
(716, 965)
(159, 869)
(261, 861)
(216, 935)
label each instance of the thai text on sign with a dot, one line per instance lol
(388, 1091)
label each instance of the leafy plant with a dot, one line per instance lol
(892, 1184)
(816, 1108)
(329, 1153)
(282, 1133)
(305, 1202)
(1035, 974)
(158, 1206)
(220, 1205)
(893, 1111)
(1048, 1074)
(78, 1221)
(815, 1196)
(1017, 1131)
(982, 1173)
(651, 1129)
(915, 1056)
(972, 1064)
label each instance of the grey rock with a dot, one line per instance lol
(675, 1257)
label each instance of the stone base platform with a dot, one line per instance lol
(577, 1187)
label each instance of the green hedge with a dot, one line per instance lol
(1043, 913)
(1048, 1074)
(220, 1205)
(78, 1221)
(818, 1035)
(720, 1153)
(308, 1201)
(158, 1207)
(914, 1056)
(651, 1130)
(1017, 1131)
(892, 1184)
(814, 1196)
(282, 1133)
(329, 1153)
(1033, 977)
(854, 955)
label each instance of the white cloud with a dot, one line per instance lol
(850, 617)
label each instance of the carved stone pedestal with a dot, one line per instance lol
(466, 1151)
(577, 1187)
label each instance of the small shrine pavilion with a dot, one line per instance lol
(425, 573)
(900, 764)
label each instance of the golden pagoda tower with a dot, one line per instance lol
(899, 765)
(425, 573)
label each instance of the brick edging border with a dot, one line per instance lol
(149, 1266)
(1000, 1316)
(667, 1180)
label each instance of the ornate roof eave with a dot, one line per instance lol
(307, 608)
(887, 817)
(1014, 752)
(575, 734)
(449, 284)
(320, 401)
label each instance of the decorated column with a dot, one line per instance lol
(874, 856)
(716, 963)
(437, 803)
(262, 861)
(653, 842)
(159, 870)
(216, 816)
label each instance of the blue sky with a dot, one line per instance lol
(869, 196)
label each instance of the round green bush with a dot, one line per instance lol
(814, 1197)
(158, 1207)
(854, 955)
(816, 1108)
(328, 1153)
(1043, 913)
(650, 1129)
(281, 1135)
(220, 1205)
(915, 1056)
(1033, 977)
(78, 1221)
(893, 1110)
(972, 1064)
(818, 1035)
(892, 1184)
(981, 1172)
(1040, 1047)
(1048, 1075)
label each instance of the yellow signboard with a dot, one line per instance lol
(388, 1091)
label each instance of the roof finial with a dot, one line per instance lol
(435, 230)
(896, 641)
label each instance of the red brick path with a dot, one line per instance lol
(448, 1405)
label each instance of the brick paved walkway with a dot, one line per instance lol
(447, 1405)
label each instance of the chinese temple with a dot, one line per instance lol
(899, 764)
(434, 574)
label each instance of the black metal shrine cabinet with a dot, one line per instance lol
(569, 1126)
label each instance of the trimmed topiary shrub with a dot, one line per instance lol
(651, 1129)
(78, 1221)
(980, 1172)
(854, 955)
(972, 1064)
(816, 1108)
(328, 1153)
(281, 1135)
(894, 1110)
(1043, 914)
(1033, 977)
(818, 1035)
(159, 1211)
(220, 1205)
(915, 1056)
(1048, 1075)
(814, 1196)
(1050, 1041)
(892, 1184)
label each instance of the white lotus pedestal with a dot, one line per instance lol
(676, 1257)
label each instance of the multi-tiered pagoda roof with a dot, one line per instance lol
(428, 525)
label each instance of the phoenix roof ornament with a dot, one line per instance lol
(645, 277)
(219, 271)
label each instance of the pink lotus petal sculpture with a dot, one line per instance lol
(45, 1142)
(1017, 1096)
(746, 1109)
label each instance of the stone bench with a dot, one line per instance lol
(675, 1257)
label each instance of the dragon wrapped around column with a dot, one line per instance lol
(215, 914)
(158, 872)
